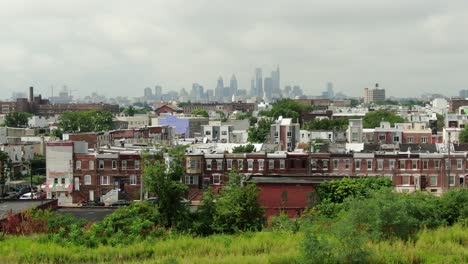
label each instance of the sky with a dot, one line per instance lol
(120, 47)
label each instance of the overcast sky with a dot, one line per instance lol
(121, 47)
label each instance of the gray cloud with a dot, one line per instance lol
(120, 47)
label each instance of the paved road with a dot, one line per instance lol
(93, 214)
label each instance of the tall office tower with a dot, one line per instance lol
(275, 80)
(158, 92)
(252, 87)
(374, 95)
(287, 91)
(258, 82)
(463, 93)
(267, 89)
(330, 92)
(219, 91)
(297, 91)
(148, 93)
(197, 92)
(233, 86)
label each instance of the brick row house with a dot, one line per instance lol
(287, 180)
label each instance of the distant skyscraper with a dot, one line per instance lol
(268, 88)
(463, 93)
(219, 91)
(330, 91)
(197, 92)
(233, 85)
(258, 82)
(252, 87)
(148, 93)
(275, 83)
(158, 92)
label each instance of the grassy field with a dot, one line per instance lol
(444, 245)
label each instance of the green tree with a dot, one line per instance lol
(249, 148)
(86, 121)
(4, 166)
(17, 119)
(440, 121)
(373, 118)
(200, 112)
(287, 108)
(463, 136)
(327, 124)
(260, 132)
(203, 224)
(129, 111)
(238, 207)
(164, 182)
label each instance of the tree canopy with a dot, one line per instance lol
(17, 119)
(200, 112)
(249, 148)
(463, 136)
(327, 124)
(287, 108)
(373, 118)
(86, 121)
(259, 133)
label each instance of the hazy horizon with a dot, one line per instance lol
(119, 48)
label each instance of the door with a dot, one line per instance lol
(91, 195)
(76, 184)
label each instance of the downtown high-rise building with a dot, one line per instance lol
(219, 90)
(258, 89)
(275, 84)
(233, 86)
(158, 92)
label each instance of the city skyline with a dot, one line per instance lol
(408, 47)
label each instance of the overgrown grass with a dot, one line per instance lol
(442, 245)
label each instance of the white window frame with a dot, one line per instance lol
(87, 180)
(250, 164)
(217, 179)
(209, 164)
(282, 164)
(191, 179)
(124, 164)
(229, 164)
(357, 164)
(404, 164)
(137, 165)
(91, 165)
(425, 164)
(114, 164)
(423, 139)
(410, 139)
(369, 164)
(433, 177)
(101, 164)
(436, 164)
(105, 180)
(459, 164)
(219, 164)
(380, 164)
(325, 164)
(271, 164)
(240, 164)
(347, 164)
(133, 179)
(408, 180)
(261, 164)
(335, 164)
(391, 164)
(78, 165)
(413, 163)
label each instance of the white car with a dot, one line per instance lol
(28, 196)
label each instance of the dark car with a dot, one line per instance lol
(121, 203)
(27, 189)
(11, 195)
(153, 200)
(93, 203)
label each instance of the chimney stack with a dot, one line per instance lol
(31, 94)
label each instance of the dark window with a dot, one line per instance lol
(284, 196)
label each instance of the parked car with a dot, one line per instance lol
(93, 203)
(11, 195)
(153, 200)
(121, 203)
(27, 189)
(28, 196)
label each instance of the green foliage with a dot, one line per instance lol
(440, 121)
(287, 108)
(86, 121)
(249, 148)
(327, 124)
(463, 136)
(260, 132)
(454, 206)
(165, 183)
(372, 119)
(17, 119)
(200, 112)
(129, 111)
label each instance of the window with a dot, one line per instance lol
(396, 138)
(289, 134)
(133, 180)
(335, 164)
(410, 140)
(357, 164)
(137, 165)
(260, 164)
(451, 180)
(391, 164)
(325, 164)
(229, 164)
(194, 164)
(406, 180)
(402, 164)
(216, 179)
(282, 164)
(219, 164)
(423, 139)
(354, 136)
(347, 164)
(313, 164)
(63, 180)
(208, 164)
(114, 164)
(380, 164)
(250, 164)
(101, 164)
(381, 137)
(55, 180)
(91, 165)
(276, 134)
(105, 180)
(191, 179)
(369, 164)
(240, 164)
(271, 164)
(459, 164)
(433, 180)
(87, 180)
(124, 164)
(207, 133)
(414, 164)
(224, 133)
(436, 164)
(425, 164)
(78, 165)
